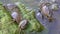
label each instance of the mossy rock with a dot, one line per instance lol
(10, 27)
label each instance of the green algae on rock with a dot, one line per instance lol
(10, 27)
(34, 24)
(6, 20)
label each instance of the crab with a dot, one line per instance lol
(23, 24)
(46, 12)
(14, 12)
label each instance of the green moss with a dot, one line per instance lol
(7, 26)
(34, 25)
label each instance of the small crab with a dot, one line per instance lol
(14, 10)
(23, 24)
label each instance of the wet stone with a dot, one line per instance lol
(54, 7)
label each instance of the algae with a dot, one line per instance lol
(7, 26)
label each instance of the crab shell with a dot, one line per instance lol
(23, 24)
(14, 10)
(45, 10)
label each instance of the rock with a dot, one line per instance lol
(53, 1)
(54, 7)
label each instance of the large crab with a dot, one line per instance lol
(46, 12)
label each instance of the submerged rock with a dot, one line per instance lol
(53, 1)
